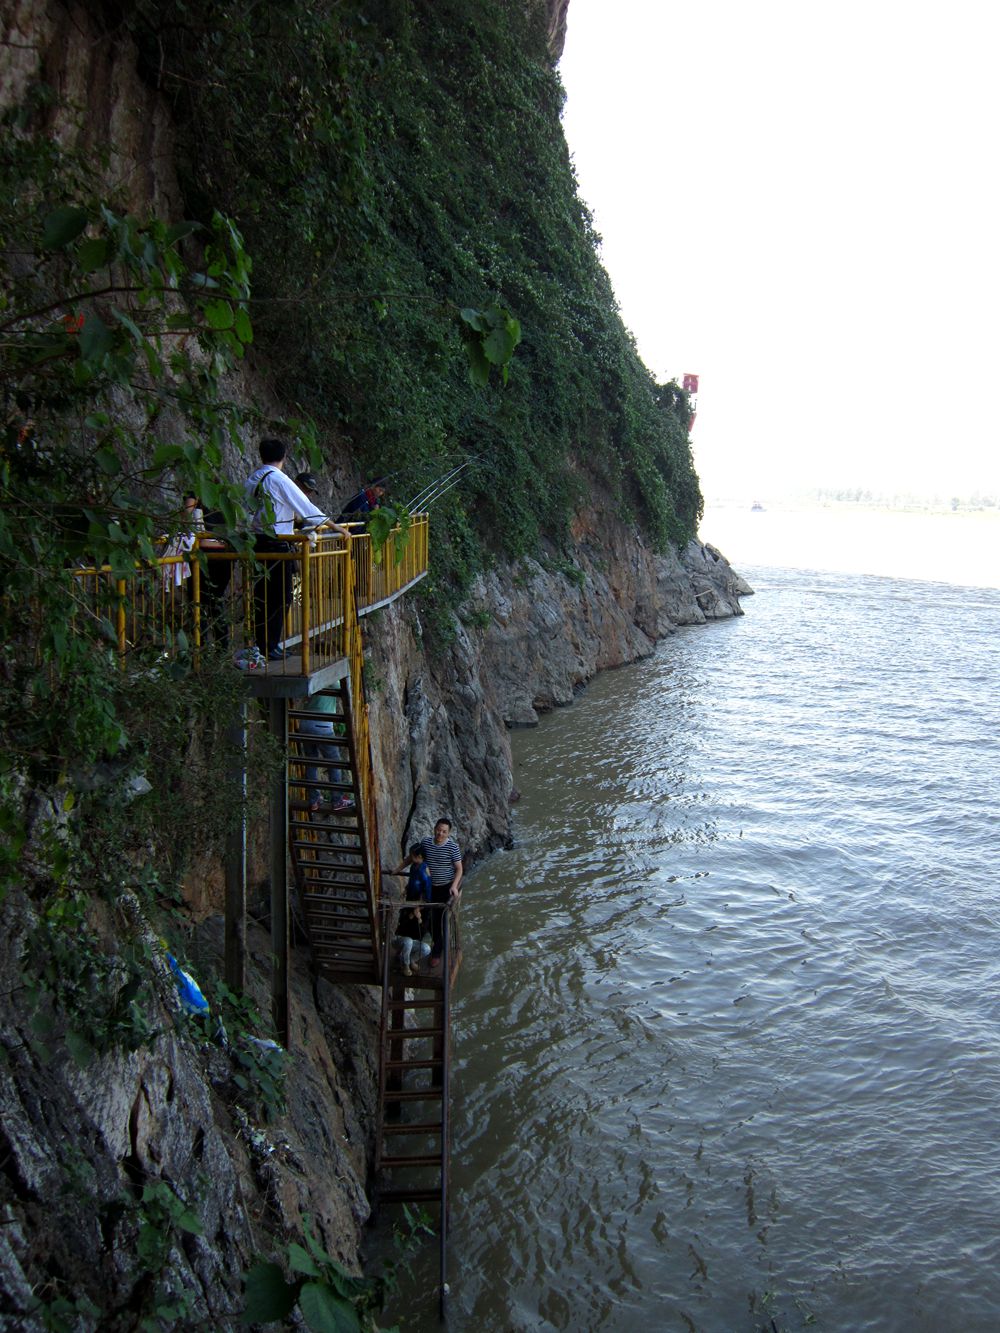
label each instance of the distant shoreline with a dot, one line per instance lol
(788, 506)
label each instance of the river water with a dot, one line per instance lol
(726, 1032)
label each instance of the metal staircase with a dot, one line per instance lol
(330, 838)
(334, 851)
(412, 1144)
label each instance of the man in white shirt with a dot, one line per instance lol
(275, 502)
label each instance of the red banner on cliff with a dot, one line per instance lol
(690, 384)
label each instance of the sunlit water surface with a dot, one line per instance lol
(726, 1033)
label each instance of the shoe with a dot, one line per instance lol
(276, 655)
(408, 971)
(345, 803)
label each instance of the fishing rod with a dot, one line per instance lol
(438, 494)
(431, 488)
(441, 485)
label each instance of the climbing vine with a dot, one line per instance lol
(403, 168)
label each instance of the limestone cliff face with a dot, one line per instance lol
(96, 71)
(555, 17)
(82, 1146)
(526, 639)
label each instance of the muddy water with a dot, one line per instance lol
(726, 1033)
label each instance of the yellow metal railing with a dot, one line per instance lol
(216, 601)
(151, 607)
(363, 756)
(382, 580)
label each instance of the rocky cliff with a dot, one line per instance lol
(124, 123)
(556, 12)
(148, 1182)
(526, 640)
(142, 1184)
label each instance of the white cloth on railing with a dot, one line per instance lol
(175, 574)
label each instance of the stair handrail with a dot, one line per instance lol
(385, 908)
(364, 775)
(443, 1290)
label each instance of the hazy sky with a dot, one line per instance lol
(800, 203)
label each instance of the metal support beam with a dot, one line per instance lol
(278, 709)
(236, 859)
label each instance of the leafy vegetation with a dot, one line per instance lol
(398, 164)
(98, 999)
(260, 1064)
(329, 1299)
(161, 1216)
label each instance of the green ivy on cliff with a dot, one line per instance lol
(389, 164)
(115, 334)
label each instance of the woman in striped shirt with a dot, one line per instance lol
(444, 861)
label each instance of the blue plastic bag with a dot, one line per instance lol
(192, 999)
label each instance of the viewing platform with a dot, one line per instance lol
(206, 602)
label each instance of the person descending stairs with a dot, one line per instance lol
(329, 841)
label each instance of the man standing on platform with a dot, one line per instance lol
(269, 492)
(444, 861)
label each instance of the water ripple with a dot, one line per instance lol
(737, 1031)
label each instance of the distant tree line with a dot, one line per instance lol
(977, 500)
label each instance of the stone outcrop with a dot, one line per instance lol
(80, 1146)
(89, 67)
(555, 18)
(527, 638)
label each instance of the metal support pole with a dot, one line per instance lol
(444, 1022)
(236, 859)
(279, 876)
(394, 1051)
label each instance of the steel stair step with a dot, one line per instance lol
(331, 905)
(427, 1159)
(346, 947)
(367, 976)
(325, 875)
(322, 914)
(414, 1095)
(332, 914)
(302, 813)
(324, 919)
(348, 941)
(421, 1127)
(409, 1196)
(318, 821)
(412, 1064)
(330, 849)
(358, 965)
(334, 920)
(344, 925)
(299, 808)
(307, 738)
